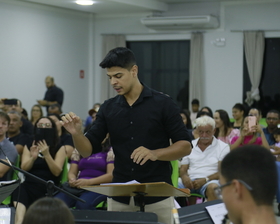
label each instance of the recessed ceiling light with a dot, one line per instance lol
(85, 2)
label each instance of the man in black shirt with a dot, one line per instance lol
(15, 135)
(53, 95)
(141, 122)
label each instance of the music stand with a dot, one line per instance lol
(7, 189)
(156, 189)
(49, 184)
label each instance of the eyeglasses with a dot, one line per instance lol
(272, 119)
(44, 125)
(218, 190)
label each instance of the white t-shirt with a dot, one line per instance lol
(203, 164)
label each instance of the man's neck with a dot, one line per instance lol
(134, 94)
(12, 134)
(259, 215)
(271, 130)
(2, 137)
(204, 145)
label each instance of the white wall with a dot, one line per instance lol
(37, 41)
(223, 65)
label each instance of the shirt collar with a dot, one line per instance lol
(146, 92)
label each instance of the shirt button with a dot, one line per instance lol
(131, 122)
(131, 138)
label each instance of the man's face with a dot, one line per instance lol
(195, 107)
(228, 200)
(272, 120)
(122, 79)
(15, 107)
(48, 82)
(15, 123)
(205, 133)
(3, 126)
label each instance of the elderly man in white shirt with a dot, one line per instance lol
(199, 170)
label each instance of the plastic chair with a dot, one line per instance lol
(175, 172)
(64, 173)
(7, 201)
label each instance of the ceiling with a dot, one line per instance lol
(120, 6)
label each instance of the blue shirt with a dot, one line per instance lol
(269, 137)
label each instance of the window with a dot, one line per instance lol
(270, 81)
(164, 66)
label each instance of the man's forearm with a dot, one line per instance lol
(175, 151)
(82, 144)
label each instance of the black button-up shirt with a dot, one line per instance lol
(151, 122)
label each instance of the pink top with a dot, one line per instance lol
(234, 133)
(247, 139)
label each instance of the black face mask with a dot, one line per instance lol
(46, 134)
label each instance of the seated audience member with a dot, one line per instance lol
(93, 170)
(208, 110)
(92, 113)
(88, 121)
(199, 170)
(272, 120)
(8, 150)
(16, 105)
(248, 181)
(43, 159)
(255, 112)
(65, 139)
(199, 114)
(238, 113)
(249, 136)
(194, 111)
(14, 134)
(55, 109)
(48, 210)
(276, 149)
(224, 130)
(187, 122)
(36, 113)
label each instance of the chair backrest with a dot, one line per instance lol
(175, 172)
(64, 173)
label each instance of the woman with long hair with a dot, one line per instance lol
(36, 113)
(249, 136)
(224, 130)
(44, 159)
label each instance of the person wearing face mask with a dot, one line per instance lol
(44, 159)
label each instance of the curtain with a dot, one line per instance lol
(110, 41)
(254, 52)
(196, 67)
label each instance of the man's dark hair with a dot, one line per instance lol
(195, 101)
(275, 112)
(256, 166)
(5, 116)
(119, 57)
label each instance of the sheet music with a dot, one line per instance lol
(217, 212)
(129, 182)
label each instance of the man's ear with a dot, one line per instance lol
(238, 189)
(134, 70)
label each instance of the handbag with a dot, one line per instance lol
(72, 190)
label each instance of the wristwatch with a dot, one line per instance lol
(207, 179)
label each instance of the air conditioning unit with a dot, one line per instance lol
(181, 22)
